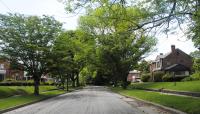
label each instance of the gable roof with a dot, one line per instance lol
(162, 56)
(167, 54)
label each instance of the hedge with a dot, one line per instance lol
(22, 83)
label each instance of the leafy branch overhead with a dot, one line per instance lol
(161, 15)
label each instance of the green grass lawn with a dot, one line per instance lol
(20, 100)
(7, 91)
(193, 86)
(185, 104)
(11, 96)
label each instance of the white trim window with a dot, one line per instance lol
(1, 66)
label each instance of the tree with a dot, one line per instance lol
(59, 63)
(195, 54)
(143, 66)
(168, 16)
(70, 53)
(118, 48)
(196, 64)
(27, 41)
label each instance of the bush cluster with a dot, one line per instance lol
(158, 76)
(193, 77)
(196, 76)
(146, 77)
(188, 79)
(167, 77)
(22, 83)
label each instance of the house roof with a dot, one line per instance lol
(177, 67)
(165, 55)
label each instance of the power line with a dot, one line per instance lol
(5, 5)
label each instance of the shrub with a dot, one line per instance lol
(167, 77)
(145, 77)
(23, 83)
(158, 76)
(47, 83)
(16, 83)
(196, 76)
(9, 80)
(188, 79)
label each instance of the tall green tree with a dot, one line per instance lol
(60, 61)
(168, 16)
(143, 66)
(196, 63)
(71, 54)
(118, 48)
(27, 41)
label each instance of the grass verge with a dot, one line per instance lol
(8, 91)
(192, 86)
(28, 97)
(185, 104)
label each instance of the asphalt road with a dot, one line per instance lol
(90, 100)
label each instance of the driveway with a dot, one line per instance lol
(90, 100)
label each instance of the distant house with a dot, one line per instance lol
(175, 61)
(6, 72)
(134, 76)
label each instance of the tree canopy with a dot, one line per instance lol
(27, 41)
(118, 49)
(168, 16)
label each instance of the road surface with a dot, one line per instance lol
(90, 100)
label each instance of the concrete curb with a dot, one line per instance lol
(26, 104)
(171, 110)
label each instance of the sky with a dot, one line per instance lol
(56, 9)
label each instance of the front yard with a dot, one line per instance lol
(11, 96)
(8, 91)
(186, 104)
(192, 86)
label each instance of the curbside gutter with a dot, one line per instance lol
(168, 109)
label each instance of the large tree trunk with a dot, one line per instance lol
(73, 83)
(124, 81)
(73, 80)
(77, 80)
(36, 85)
(67, 83)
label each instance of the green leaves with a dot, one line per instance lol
(118, 49)
(27, 40)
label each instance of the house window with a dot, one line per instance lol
(1, 66)
(158, 65)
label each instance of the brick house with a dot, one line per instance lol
(134, 76)
(175, 61)
(7, 73)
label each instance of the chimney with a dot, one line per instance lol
(173, 48)
(161, 53)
